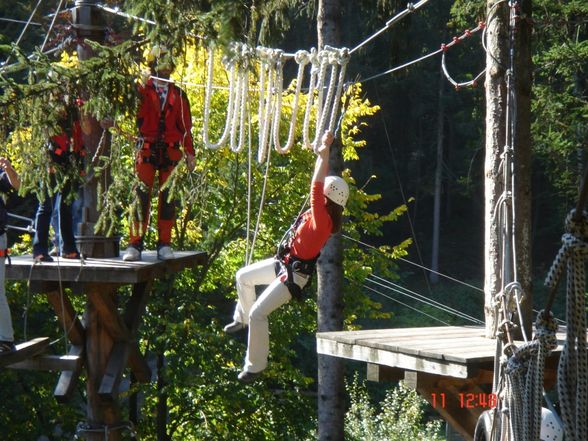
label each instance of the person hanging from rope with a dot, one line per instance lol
(289, 271)
(164, 123)
(65, 149)
(9, 181)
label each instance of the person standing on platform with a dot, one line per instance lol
(289, 271)
(164, 123)
(9, 181)
(65, 149)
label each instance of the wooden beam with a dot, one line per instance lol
(104, 301)
(50, 363)
(68, 379)
(113, 372)
(449, 399)
(107, 270)
(393, 359)
(25, 350)
(379, 373)
(67, 317)
(138, 364)
(136, 305)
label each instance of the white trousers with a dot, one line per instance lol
(255, 312)
(6, 331)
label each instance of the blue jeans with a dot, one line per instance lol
(76, 214)
(43, 220)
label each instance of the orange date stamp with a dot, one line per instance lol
(465, 400)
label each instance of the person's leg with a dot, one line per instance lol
(166, 210)
(76, 211)
(66, 226)
(42, 221)
(258, 273)
(274, 296)
(6, 330)
(55, 226)
(146, 174)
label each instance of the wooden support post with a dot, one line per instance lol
(67, 317)
(25, 350)
(448, 397)
(69, 378)
(99, 345)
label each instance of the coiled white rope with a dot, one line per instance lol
(207, 98)
(302, 58)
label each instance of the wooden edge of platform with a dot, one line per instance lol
(393, 359)
(25, 350)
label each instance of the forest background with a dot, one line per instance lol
(390, 138)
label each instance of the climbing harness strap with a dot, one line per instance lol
(156, 153)
(286, 262)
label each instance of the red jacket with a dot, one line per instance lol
(178, 120)
(62, 143)
(315, 228)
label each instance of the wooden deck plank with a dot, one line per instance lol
(418, 349)
(394, 359)
(25, 350)
(113, 270)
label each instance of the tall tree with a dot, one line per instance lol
(331, 388)
(501, 112)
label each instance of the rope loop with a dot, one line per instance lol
(574, 243)
(302, 57)
(546, 329)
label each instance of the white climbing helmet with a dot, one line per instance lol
(551, 429)
(336, 189)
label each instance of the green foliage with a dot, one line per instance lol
(399, 417)
(560, 107)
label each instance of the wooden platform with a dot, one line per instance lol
(454, 351)
(104, 335)
(111, 270)
(447, 365)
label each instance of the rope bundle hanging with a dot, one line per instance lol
(572, 374)
(327, 107)
(302, 58)
(237, 63)
(270, 85)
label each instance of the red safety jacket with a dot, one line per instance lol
(63, 143)
(178, 120)
(315, 228)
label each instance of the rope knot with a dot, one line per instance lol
(546, 329)
(574, 244)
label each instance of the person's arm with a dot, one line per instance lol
(321, 167)
(186, 127)
(11, 173)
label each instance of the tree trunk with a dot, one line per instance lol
(331, 390)
(523, 161)
(497, 60)
(434, 277)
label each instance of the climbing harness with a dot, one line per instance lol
(289, 264)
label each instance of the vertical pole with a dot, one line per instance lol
(99, 411)
(331, 388)
(496, 61)
(89, 24)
